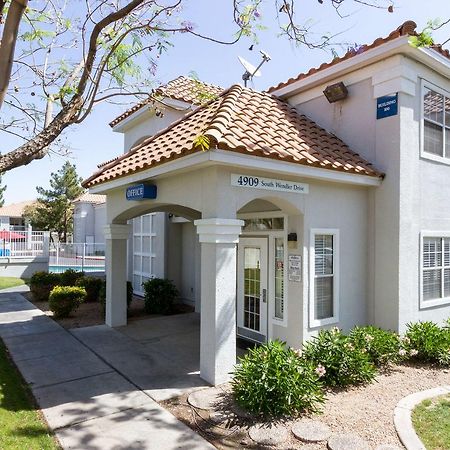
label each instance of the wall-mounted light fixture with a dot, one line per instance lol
(292, 240)
(336, 92)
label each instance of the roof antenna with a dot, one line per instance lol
(250, 70)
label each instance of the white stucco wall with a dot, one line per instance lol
(425, 205)
(83, 221)
(100, 222)
(148, 125)
(413, 194)
(328, 205)
(190, 264)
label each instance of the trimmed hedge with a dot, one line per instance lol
(42, 283)
(160, 295)
(64, 300)
(92, 285)
(70, 277)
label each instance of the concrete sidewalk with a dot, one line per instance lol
(159, 355)
(86, 402)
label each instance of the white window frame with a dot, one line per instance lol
(313, 322)
(276, 320)
(143, 254)
(425, 304)
(441, 159)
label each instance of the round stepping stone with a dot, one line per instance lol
(311, 430)
(207, 398)
(267, 434)
(388, 447)
(347, 442)
(218, 416)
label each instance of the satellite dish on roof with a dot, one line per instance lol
(250, 70)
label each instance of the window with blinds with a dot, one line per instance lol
(436, 123)
(435, 268)
(324, 277)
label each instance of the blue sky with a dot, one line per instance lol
(93, 141)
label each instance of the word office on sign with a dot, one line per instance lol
(141, 192)
(270, 184)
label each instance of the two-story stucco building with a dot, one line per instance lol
(321, 202)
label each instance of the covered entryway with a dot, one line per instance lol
(261, 153)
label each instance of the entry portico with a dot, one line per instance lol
(245, 195)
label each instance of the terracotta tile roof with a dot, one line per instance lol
(15, 209)
(182, 88)
(90, 198)
(406, 29)
(244, 121)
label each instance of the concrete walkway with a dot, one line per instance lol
(84, 399)
(159, 355)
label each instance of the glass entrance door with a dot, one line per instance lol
(252, 289)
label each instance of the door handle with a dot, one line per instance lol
(264, 295)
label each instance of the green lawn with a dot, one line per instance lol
(431, 420)
(21, 426)
(6, 282)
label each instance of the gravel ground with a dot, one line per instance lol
(366, 411)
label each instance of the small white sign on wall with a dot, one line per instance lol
(269, 184)
(295, 268)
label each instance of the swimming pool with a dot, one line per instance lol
(61, 269)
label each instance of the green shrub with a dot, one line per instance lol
(102, 294)
(65, 299)
(159, 296)
(41, 284)
(340, 361)
(70, 277)
(272, 380)
(426, 341)
(129, 293)
(383, 347)
(92, 285)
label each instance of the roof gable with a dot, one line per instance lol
(244, 121)
(184, 89)
(406, 29)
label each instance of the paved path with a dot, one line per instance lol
(88, 403)
(159, 355)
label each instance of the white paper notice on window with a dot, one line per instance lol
(295, 268)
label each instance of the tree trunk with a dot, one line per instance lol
(8, 43)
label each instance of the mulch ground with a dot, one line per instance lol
(90, 314)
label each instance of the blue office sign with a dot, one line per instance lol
(141, 192)
(387, 106)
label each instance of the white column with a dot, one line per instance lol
(218, 238)
(116, 237)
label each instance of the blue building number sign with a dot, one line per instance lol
(387, 106)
